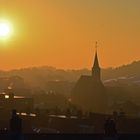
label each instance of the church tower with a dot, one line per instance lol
(96, 71)
(89, 92)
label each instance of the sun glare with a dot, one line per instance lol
(5, 29)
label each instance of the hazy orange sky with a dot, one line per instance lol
(60, 33)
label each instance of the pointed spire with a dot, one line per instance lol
(96, 62)
(96, 68)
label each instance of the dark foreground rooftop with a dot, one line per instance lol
(69, 136)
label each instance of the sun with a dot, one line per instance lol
(4, 29)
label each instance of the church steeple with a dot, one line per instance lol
(96, 74)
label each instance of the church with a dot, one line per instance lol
(89, 93)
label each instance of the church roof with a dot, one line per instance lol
(85, 78)
(86, 82)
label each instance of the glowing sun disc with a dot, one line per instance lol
(4, 29)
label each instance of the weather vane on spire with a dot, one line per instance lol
(96, 45)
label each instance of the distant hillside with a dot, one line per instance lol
(126, 74)
(130, 70)
(39, 76)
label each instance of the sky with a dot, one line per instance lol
(62, 33)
